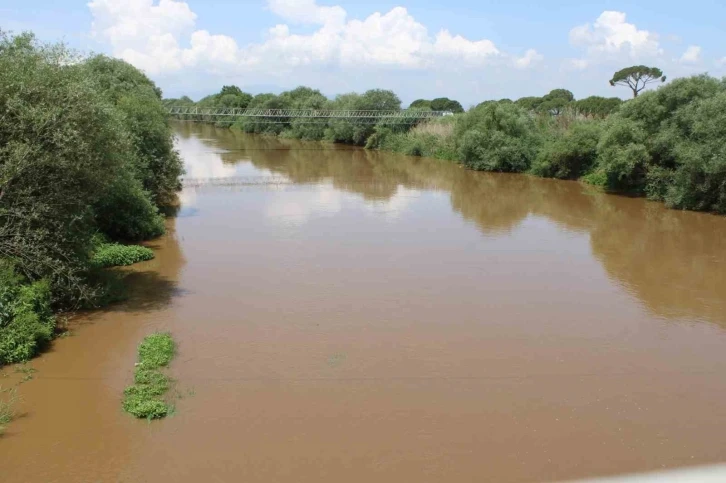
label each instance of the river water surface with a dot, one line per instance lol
(354, 316)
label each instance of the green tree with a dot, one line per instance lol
(446, 104)
(555, 101)
(156, 164)
(530, 103)
(637, 77)
(421, 104)
(62, 143)
(231, 90)
(596, 106)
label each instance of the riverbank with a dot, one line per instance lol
(666, 145)
(87, 167)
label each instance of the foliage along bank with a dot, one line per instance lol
(668, 144)
(86, 149)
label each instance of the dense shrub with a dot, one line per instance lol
(115, 255)
(497, 137)
(696, 179)
(156, 164)
(85, 147)
(668, 144)
(622, 154)
(570, 153)
(52, 173)
(26, 319)
(127, 213)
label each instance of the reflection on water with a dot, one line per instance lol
(673, 262)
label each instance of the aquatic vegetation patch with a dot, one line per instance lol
(117, 255)
(8, 400)
(145, 397)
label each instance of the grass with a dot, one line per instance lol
(7, 406)
(145, 397)
(116, 255)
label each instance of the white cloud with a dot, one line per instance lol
(307, 12)
(611, 35)
(721, 61)
(151, 36)
(691, 55)
(577, 64)
(530, 57)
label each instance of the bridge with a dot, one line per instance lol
(408, 116)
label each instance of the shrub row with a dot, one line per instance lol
(668, 144)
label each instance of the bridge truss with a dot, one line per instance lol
(276, 116)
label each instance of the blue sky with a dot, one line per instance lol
(465, 49)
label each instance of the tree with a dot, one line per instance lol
(556, 101)
(379, 100)
(446, 104)
(420, 104)
(233, 90)
(637, 77)
(597, 106)
(530, 103)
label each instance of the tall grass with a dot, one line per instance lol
(434, 139)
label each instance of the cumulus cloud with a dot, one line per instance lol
(528, 59)
(691, 55)
(160, 38)
(611, 35)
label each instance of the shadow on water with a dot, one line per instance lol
(674, 262)
(145, 292)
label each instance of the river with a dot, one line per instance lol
(353, 316)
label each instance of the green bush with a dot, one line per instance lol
(569, 154)
(696, 179)
(127, 213)
(623, 155)
(115, 255)
(497, 137)
(26, 319)
(668, 144)
(85, 146)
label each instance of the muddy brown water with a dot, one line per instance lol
(352, 316)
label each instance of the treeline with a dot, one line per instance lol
(334, 130)
(86, 156)
(668, 144)
(560, 101)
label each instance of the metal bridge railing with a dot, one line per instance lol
(322, 114)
